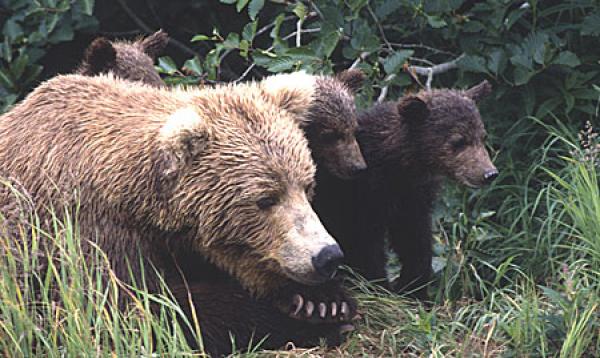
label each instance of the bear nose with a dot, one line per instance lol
(358, 168)
(490, 175)
(327, 260)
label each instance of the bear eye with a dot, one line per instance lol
(458, 143)
(267, 202)
(329, 137)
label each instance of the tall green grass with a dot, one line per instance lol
(519, 275)
(72, 307)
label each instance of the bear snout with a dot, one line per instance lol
(327, 261)
(490, 175)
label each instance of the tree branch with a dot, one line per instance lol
(142, 25)
(435, 70)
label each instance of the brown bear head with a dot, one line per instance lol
(451, 133)
(331, 121)
(128, 60)
(240, 175)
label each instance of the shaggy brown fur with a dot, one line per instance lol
(161, 179)
(330, 124)
(225, 310)
(129, 60)
(409, 146)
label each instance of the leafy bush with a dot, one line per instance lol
(30, 27)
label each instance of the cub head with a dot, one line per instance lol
(331, 120)
(240, 177)
(128, 60)
(451, 133)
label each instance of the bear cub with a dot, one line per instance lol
(410, 145)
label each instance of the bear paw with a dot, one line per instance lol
(327, 303)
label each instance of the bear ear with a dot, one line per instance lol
(293, 92)
(154, 44)
(353, 79)
(99, 57)
(478, 92)
(413, 108)
(183, 137)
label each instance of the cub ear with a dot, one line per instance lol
(353, 79)
(413, 108)
(477, 92)
(154, 44)
(293, 92)
(99, 57)
(182, 138)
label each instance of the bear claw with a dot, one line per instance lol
(322, 310)
(344, 309)
(333, 309)
(310, 307)
(298, 303)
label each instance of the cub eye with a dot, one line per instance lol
(267, 202)
(458, 143)
(330, 137)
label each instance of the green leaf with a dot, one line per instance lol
(281, 64)
(229, 2)
(232, 41)
(244, 48)
(5, 80)
(300, 10)
(394, 62)
(302, 54)
(472, 63)
(61, 34)
(522, 75)
(87, 6)
(364, 38)
(436, 22)
(201, 37)
(255, 7)
(193, 65)
(567, 58)
(18, 66)
(326, 44)
(387, 8)
(249, 31)
(12, 30)
(167, 65)
(496, 62)
(356, 5)
(591, 25)
(241, 4)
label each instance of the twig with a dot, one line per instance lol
(435, 70)
(381, 32)
(261, 31)
(287, 37)
(299, 32)
(149, 31)
(384, 89)
(425, 47)
(359, 59)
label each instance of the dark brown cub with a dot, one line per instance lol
(409, 146)
(128, 60)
